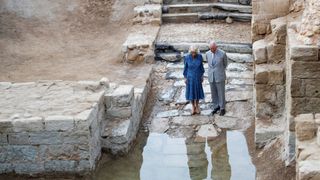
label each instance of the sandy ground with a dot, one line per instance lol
(203, 32)
(87, 46)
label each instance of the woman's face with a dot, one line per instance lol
(193, 53)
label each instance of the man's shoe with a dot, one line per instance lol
(215, 110)
(222, 112)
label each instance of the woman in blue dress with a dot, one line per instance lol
(193, 75)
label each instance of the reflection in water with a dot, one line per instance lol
(240, 160)
(160, 157)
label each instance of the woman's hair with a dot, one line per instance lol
(193, 48)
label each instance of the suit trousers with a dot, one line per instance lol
(218, 94)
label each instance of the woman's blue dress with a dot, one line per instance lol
(193, 72)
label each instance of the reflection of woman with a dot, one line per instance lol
(193, 74)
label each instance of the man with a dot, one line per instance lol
(217, 61)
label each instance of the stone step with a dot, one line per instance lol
(165, 47)
(116, 134)
(241, 17)
(197, 17)
(180, 17)
(205, 7)
(243, 2)
(232, 57)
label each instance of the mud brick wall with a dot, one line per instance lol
(262, 12)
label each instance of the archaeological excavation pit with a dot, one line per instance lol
(95, 90)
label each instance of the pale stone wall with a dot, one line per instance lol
(61, 126)
(262, 12)
(308, 146)
(50, 126)
(269, 86)
(310, 25)
(139, 46)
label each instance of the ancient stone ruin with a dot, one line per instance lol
(88, 87)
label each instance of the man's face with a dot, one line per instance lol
(213, 48)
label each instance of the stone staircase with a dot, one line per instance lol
(174, 52)
(124, 110)
(186, 12)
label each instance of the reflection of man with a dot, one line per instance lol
(217, 61)
(218, 164)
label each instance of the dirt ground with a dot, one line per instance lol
(83, 46)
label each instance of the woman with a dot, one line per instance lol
(193, 74)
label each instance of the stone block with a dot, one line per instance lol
(6, 168)
(6, 125)
(23, 154)
(62, 152)
(122, 96)
(119, 112)
(269, 74)
(318, 136)
(18, 138)
(42, 138)
(260, 51)
(84, 166)
(309, 169)
(60, 166)
(3, 139)
(265, 93)
(89, 85)
(305, 70)
(29, 168)
(298, 106)
(279, 29)
(297, 88)
(75, 137)
(276, 53)
(312, 88)
(312, 105)
(28, 124)
(305, 127)
(304, 53)
(59, 123)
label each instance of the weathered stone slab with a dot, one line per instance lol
(238, 96)
(305, 127)
(181, 99)
(159, 125)
(175, 66)
(189, 121)
(59, 123)
(241, 82)
(117, 131)
(179, 83)
(304, 53)
(168, 94)
(260, 51)
(240, 58)
(240, 75)
(170, 113)
(174, 75)
(226, 122)
(206, 132)
(60, 166)
(309, 169)
(237, 67)
(121, 96)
